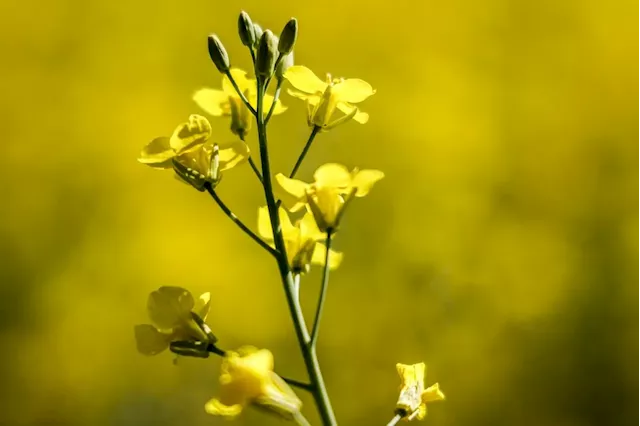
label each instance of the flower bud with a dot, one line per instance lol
(283, 65)
(267, 54)
(218, 53)
(288, 36)
(246, 29)
(257, 30)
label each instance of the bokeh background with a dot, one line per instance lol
(501, 248)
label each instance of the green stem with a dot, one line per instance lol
(244, 99)
(276, 95)
(308, 353)
(395, 420)
(300, 419)
(237, 221)
(312, 136)
(252, 163)
(323, 293)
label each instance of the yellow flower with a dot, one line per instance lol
(301, 241)
(247, 377)
(195, 159)
(227, 102)
(413, 399)
(172, 310)
(323, 97)
(328, 196)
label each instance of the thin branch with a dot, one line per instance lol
(252, 163)
(395, 420)
(237, 221)
(323, 293)
(240, 94)
(276, 95)
(314, 132)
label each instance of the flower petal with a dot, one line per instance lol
(190, 134)
(292, 192)
(157, 153)
(433, 393)
(360, 116)
(319, 253)
(232, 154)
(264, 223)
(411, 374)
(303, 79)
(309, 228)
(149, 340)
(278, 109)
(212, 101)
(244, 83)
(364, 179)
(217, 408)
(353, 90)
(332, 175)
(278, 398)
(169, 306)
(202, 305)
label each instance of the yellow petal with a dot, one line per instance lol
(202, 305)
(309, 229)
(278, 398)
(217, 408)
(411, 374)
(149, 340)
(257, 362)
(169, 306)
(303, 79)
(190, 134)
(353, 90)
(232, 154)
(157, 153)
(278, 109)
(264, 223)
(213, 102)
(302, 95)
(332, 175)
(292, 192)
(319, 253)
(364, 179)
(422, 412)
(360, 117)
(244, 83)
(433, 393)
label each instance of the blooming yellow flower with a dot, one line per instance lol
(172, 310)
(328, 196)
(301, 241)
(227, 102)
(195, 159)
(323, 97)
(413, 399)
(247, 377)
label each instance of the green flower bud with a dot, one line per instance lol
(218, 53)
(246, 29)
(257, 30)
(283, 66)
(267, 54)
(288, 36)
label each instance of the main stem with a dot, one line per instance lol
(308, 353)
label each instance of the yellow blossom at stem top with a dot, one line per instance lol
(195, 158)
(329, 194)
(301, 241)
(247, 378)
(172, 311)
(227, 102)
(324, 97)
(413, 399)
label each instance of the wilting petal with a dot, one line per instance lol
(292, 192)
(319, 253)
(244, 83)
(360, 116)
(190, 134)
(232, 154)
(202, 305)
(278, 109)
(157, 153)
(213, 102)
(364, 179)
(277, 397)
(216, 408)
(353, 90)
(303, 79)
(168, 306)
(264, 223)
(332, 175)
(149, 340)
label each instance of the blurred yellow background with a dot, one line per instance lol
(501, 248)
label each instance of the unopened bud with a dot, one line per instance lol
(283, 65)
(257, 31)
(288, 36)
(218, 53)
(246, 29)
(267, 54)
